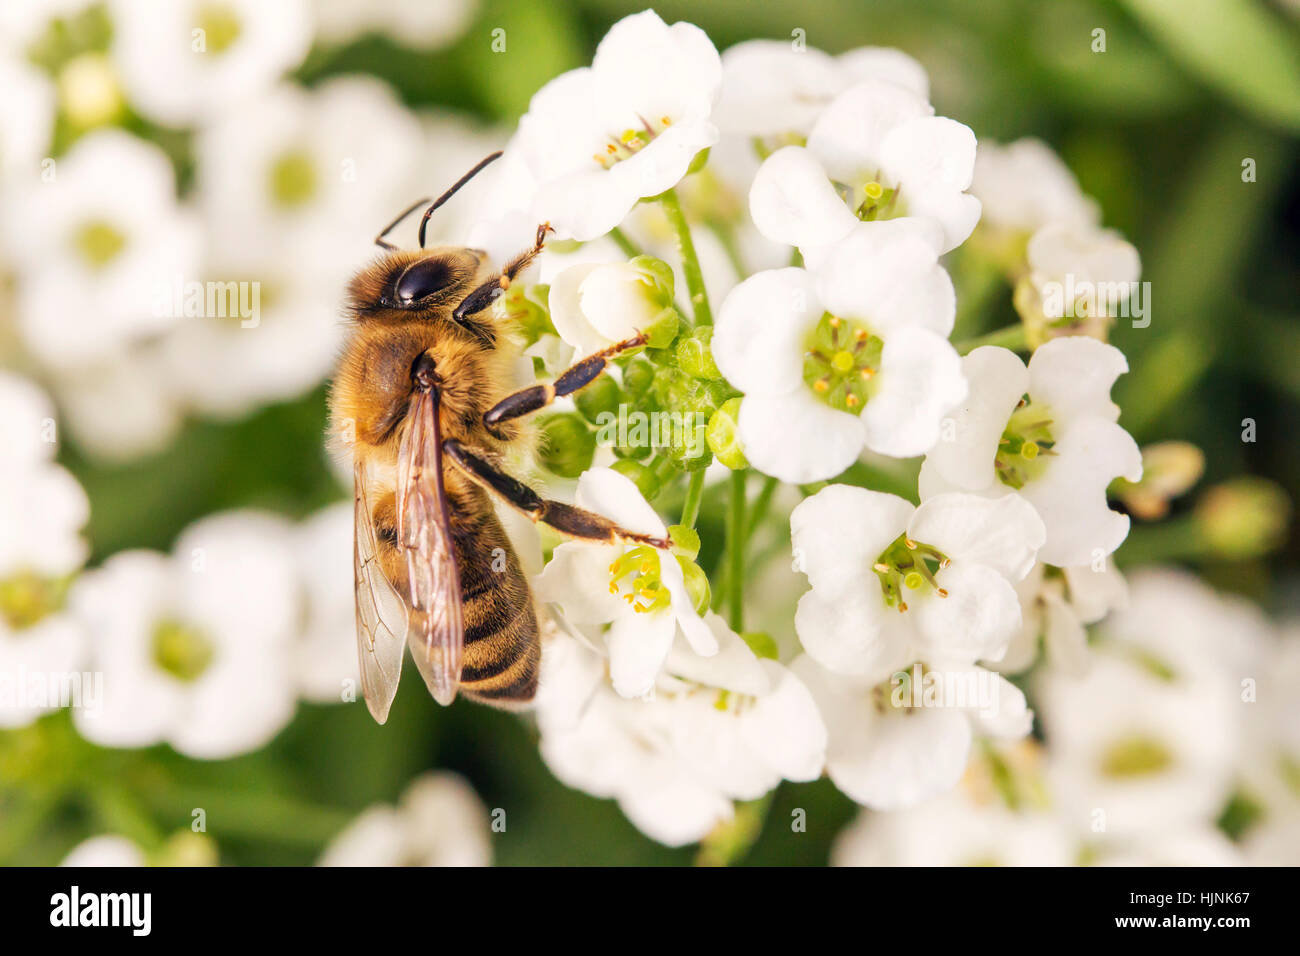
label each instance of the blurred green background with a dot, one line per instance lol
(1156, 128)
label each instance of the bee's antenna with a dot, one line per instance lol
(451, 192)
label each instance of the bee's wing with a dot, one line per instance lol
(436, 631)
(381, 612)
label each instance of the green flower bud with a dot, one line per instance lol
(643, 476)
(699, 162)
(686, 541)
(697, 584)
(602, 395)
(761, 643)
(638, 376)
(660, 275)
(695, 356)
(1245, 517)
(663, 329)
(568, 444)
(724, 435)
(526, 306)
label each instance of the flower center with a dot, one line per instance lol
(1135, 756)
(870, 199)
(26, 598)
(98, 243)
(1026, 445)
(220, 26)
(181, 650)
(840, 362)
(293, 179)
(630, 142)
(907, 568)
(636, 576)
(900, 695)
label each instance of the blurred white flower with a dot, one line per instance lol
(720, 728)
(769, 88)
(1097, 265)
(1137, 747)
(895, 744)
(27, 121)
(106, 233)
(1055, 606)
(42, 511)
(639, 590)
(325, 663)
(123, 407)
(105, 850)
(22, 23)
(307, 177)
(186, 62)
(955, 830)
(413, 23)
(197, 648)
(1024, 186)
(891, 584)
(1059, 449)
(439, 821)
(852, 355)
(1191, 847)
(876, 152)
(599, 138)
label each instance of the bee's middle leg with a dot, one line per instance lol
(575, 522)
(535, 397)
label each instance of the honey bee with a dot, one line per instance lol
(420, 393)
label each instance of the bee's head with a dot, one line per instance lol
(416, 281)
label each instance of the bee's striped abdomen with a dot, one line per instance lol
(502, 642)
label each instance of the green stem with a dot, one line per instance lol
(630, 248)
(694, 495)
(1012, 337)
(736, 552)
(759, 511)
(690, 261)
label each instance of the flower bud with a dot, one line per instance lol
(645, 477)
(695, 356)
(723, 435)
(526, 307)
(1245, 517)
(568, 444)
(602, 395)
(686, 541)
(1169, 469)
(697, 584)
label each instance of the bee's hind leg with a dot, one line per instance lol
(575, 522)
(534, 397)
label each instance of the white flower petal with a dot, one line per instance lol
(886, 63)
(638, 647)
(785, 728)
(838, 533)
(974, 622)
(919, 381)
(1073, 376)
(792, 201)
(577, 578)
(855, 634)
(929, 152)
(798, 438)
(997, 380)
(758, 341)
(734, 667)
(608, 493)
(849, 135)
(1002, 533)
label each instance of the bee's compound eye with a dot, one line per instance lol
(423, 279)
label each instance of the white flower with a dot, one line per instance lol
(599, 138)
(1196, 846)
(1024, 186)
(1060, 449)
(185, 62)
(27, 122)
(106, 233)
(889, 748)
(124, 407)
(326, 651)
(717, 729)
(877, 152)
(411, 23)
(770, 88)
(1137, 746)
(596, 305)
(1055, 606)
(1081, 272)
(439, 821)
(196, 648)
(854, 355)
(105, 850)
(639, 590)
(955, 830)
(892, 584)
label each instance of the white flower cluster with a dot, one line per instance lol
(142, 302)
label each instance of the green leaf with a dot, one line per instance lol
(1236, 46)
